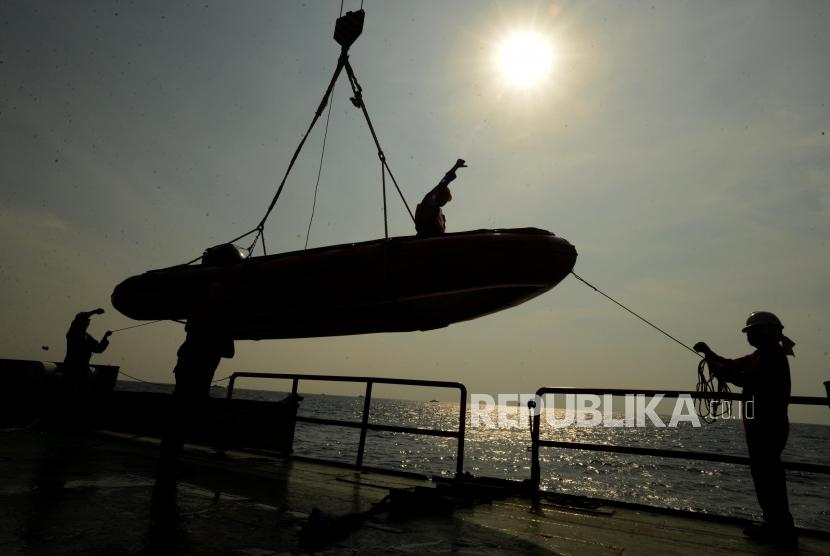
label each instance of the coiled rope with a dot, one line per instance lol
(708, 383)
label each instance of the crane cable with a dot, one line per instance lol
(357, 101)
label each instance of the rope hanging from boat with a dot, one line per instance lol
(654, 326)
(707, 382)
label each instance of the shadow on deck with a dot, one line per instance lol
(91, 494)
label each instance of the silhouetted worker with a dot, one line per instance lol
(208, 340)
(429, 218)
(79, 349)
(764, 376)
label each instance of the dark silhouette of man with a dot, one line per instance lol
(208, 340)
(79, 349)
(764, 376)
(429, 218)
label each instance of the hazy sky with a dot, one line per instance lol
(682, 147)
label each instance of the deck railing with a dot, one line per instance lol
(535, 472)
(364, 425)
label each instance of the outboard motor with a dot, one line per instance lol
(225, 254)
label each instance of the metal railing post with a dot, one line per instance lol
(231, 382)
(535, 472)
(367, 401)
(364, 425)
(462, 425)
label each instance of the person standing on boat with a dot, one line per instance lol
(208, 340)
(429, 218)
(764, 376)
(79, 349)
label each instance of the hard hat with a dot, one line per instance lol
(761, 318)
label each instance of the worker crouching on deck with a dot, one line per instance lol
(764, 376)
(208, 340)
(429, 218)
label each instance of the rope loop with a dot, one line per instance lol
(708, 383)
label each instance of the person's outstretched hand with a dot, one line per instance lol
(702, 348)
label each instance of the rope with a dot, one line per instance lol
(708, 383)
(146, 323)
(357, 100)
(136, 325)
(320, 168)
(134, 378)
(148, 382)
(383, 188)
(633, 313)
(340, 63)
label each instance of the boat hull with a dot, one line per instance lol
(395, 285)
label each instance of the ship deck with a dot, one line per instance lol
(90, 493)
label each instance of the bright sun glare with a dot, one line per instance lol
(524, 59)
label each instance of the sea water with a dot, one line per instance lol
(701, 486)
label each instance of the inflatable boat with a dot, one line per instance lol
(389, 285)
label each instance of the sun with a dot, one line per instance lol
(525, 59)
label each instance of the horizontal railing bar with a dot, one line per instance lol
(413, 430)
(364, 424)
(377, 427)
(333, 422)
(733, 396)
(679, 454)
(336, 378)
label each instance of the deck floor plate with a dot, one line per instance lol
(90, 494)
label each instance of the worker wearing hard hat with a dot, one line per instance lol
(764, 376)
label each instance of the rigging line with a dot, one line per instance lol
(137, 325)
(400, 193)
(340, 63)
(383, 186)
(578, 277)
(146, 323)
(134, 378)
(357, 100)
(320, 168)
(341, 8)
